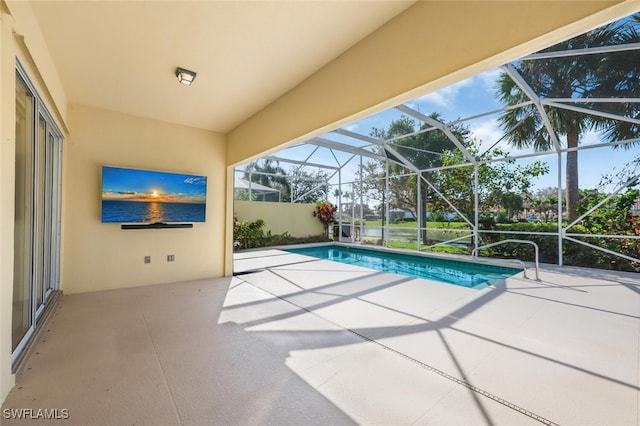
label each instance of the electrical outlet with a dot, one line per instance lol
(147, 259)
(171, 258)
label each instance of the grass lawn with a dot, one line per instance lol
(437, 232)
(414, 225)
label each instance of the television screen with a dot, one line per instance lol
(144, 196)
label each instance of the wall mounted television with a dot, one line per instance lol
(153, 197)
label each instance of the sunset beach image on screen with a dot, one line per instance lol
(146, 196)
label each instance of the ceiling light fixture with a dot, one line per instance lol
(185, 77)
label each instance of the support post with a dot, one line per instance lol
(361, 206)
(386, 204)
(339, 205)
(476, 203)
(352, 231)
(419, 212)
(560, 230)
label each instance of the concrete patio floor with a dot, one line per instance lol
(293, 340)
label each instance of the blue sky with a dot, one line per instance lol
(474, 96)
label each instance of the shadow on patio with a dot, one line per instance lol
(300, 341)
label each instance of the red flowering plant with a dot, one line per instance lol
(326, 214)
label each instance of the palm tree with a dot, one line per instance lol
(584, 76)
(619, 77)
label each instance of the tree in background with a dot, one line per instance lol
(614, 217)
(583, 76)
(244, 195)
(424, 149)
(308, 187)
(504, 184)
(373, 184)
(545, 202)
(269, 174)
(618, 76)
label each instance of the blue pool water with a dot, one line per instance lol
(466, 274)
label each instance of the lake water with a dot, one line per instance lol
(136, 212)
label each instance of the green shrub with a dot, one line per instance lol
(249, 234)
(487, 223)
(437, 217)
(502, 218)
(286, 239)
(548, 244)
(579, 255)
(326, 214)
(573, 254)
(612, 218)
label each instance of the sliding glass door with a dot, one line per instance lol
(37, 212)
(23, 231)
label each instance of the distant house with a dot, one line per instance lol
(258, 192)
(400, 214)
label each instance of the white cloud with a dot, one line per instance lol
(447, 96)
(436, 98)
(351, 127)
(487, 133)
(488, 79)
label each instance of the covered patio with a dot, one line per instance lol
(105, 324)
(296, 340)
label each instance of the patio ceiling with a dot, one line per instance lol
(122, 55)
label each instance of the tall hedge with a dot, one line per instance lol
(574, 254)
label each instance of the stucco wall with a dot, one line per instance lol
(99, 256)
(296, 219)
(20, 39)
(7, 190)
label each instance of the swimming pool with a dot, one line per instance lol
(465, 274)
